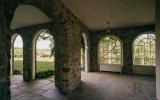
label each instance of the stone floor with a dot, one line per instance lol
(94, 86)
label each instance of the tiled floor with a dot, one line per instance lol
(94, 86)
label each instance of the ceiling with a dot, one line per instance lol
(120, 13)
(26, 15)
(94, 13)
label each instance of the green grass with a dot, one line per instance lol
(44, 65)
(41, 65)
(18, 65)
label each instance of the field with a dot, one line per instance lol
(44, 62)
(41, 65)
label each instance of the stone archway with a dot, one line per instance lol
(36, 36)
(33, 16)
(86, 52)
(12, 60)
(68, 28)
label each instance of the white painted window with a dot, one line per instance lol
(144, 50)
(110, 50)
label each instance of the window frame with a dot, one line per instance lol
(120, 51)
(151, 59)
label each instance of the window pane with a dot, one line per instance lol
(110, 51)
(144, 50)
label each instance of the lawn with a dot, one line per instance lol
(41, 65)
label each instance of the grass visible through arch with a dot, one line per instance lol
(44, 65)
(41, 66)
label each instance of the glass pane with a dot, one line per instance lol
(110, 51)
(144, 50)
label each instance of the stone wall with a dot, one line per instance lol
(126, 35)
(4, 76)
(158, 49)
(67, 64)
(28, 35)
(67, 29)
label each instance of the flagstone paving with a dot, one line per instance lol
(94, 86)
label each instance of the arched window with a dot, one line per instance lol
(110, 50)
(144, 50)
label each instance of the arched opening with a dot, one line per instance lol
(144, 53)
(84, 53)
(17, 55)
(110, 54)
(24, 16)
(44, 54)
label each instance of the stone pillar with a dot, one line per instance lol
(67, 59)
(74, 75)
(127, 56)
(8, 43)
(61, 59)
(4, 76)
(28, 69)
(158, 49)
(93, 52)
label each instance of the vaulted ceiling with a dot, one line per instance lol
(26, 15)
(120, 13)
(94, 13)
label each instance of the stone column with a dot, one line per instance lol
(4, 76)
(74, 74)
(67, 58)
(93, 54)
(127, 56)
(28, 69)
(61, 59)
(158, 49)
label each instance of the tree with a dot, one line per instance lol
(46, 36)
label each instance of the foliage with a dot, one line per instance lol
(45, 74)
(82, 59)
(18, 66)
(110, 51)
(46, 36)
(17, 72)
(144, 50)
(82, 45)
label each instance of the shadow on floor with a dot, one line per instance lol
(94, 86)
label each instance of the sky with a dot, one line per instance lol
(43, 44)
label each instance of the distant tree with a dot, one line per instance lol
(46, 36)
